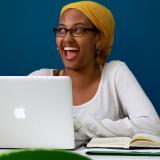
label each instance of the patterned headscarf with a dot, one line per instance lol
(103, 20)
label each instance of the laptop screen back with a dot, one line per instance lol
(36, 112)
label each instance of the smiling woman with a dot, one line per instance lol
(108, 101)
(72, 49)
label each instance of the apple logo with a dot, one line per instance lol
(19, 112)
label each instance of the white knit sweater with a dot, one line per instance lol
(119, 108)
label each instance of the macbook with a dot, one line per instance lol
(36, 112)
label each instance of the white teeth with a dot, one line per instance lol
(70, 49)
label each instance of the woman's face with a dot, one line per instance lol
(76, 52)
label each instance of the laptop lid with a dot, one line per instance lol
(36, 112)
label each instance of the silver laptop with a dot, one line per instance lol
(36, 112)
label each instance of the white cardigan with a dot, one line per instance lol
(119, 108)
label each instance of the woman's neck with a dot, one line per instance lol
(83, 77)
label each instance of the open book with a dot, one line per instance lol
(141, 140)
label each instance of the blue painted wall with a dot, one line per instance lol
(27, 42)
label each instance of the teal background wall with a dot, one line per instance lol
(27, 42)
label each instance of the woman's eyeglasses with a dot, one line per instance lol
(75, 32)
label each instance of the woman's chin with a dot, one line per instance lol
(71, 65)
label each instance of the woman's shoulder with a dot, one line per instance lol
(45, 72)
(116, 70)
(114, 65)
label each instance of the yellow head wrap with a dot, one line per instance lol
(103, 20)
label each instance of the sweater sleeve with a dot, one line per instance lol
(139, 113)
(138, 109)
(42, 72)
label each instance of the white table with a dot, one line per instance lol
(124, 157)
(109, 157)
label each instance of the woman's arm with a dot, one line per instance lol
(140, 115)
(136, 106)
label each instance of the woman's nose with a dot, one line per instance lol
(68, 37)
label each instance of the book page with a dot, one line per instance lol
(145, 140)
(144, 144)
(112, 142)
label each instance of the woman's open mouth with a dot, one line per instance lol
(70, 53)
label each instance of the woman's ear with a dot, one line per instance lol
(99, 41)
(98, 36)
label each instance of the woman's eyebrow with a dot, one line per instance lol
(76, 24)
(79, 24)
(82, 25)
